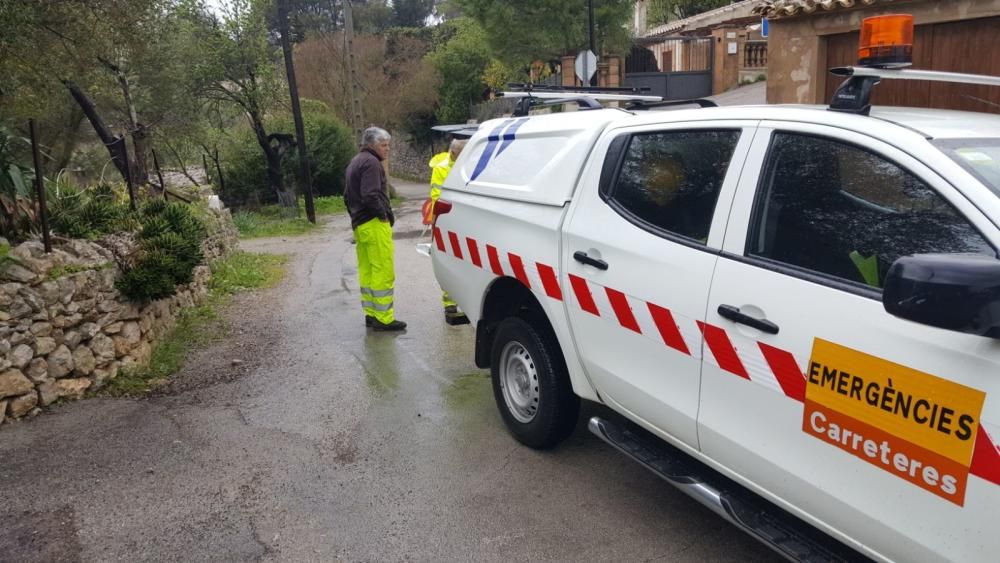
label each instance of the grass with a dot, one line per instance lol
(277, 221)
(240, 271)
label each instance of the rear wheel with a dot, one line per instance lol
(531, 385)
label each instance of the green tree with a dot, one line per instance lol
(461, 61)
(118, 59)
(330, 144)
(663, 11)
(236, 63)
(412, 13)
(520, 31)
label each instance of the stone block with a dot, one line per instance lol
(106, 373)
(60, 362)
(128, 312)
(41, 329)
(67, 321)
(21, 355)
(67, 290)
(108, 305)
(145, 323)
(89, 330)
(48, 393)
(142, 353)
(72, 338)
(83, 361)
(17, 273)
(32, 298)
(131, 333)
(44, 345)
(49, 291)
(13, 383)
(20, 406)
(38, 370)
(114, 328)
(73, 388)
(103, 347)
(21, 337)
(122, 347)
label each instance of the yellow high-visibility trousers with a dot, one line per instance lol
(447, 301)
(376, 274)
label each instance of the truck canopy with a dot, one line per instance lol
(535, 159)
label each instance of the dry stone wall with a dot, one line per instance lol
(407, 161)
(64, 327)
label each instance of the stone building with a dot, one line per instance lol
(808, 37)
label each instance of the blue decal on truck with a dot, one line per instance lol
(506, 131)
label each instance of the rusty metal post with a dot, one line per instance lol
(43, 211)
(305, 177)
(159, 174)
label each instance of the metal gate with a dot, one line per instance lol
(675, 68)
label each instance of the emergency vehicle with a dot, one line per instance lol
(795, 310)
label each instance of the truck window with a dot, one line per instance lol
(841, 210)
(670, 181)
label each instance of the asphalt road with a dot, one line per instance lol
(328, 442)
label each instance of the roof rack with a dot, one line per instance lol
(700, 102)
(854, 95)
(533, 95)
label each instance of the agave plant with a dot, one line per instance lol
(17, 208)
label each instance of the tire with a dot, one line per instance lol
(531, 385)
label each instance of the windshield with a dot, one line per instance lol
(981, 157)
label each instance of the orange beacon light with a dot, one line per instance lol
(886, 41)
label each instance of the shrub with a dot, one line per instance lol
(89, 214)
(330, 144)
(169, 250)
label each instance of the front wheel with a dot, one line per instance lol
(531, 385)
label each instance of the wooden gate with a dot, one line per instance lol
(962, 46)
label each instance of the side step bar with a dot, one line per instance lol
(787, 535)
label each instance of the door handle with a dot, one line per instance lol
(734, 314)
(581, 257)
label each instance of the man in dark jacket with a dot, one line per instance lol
(367, 202)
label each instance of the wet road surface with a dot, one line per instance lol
(333, 443)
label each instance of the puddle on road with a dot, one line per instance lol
(472, 392)
(381, 365)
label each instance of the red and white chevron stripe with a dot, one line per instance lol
(744, 357)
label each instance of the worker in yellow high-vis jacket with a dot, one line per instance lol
(441, 165)
(367, 200)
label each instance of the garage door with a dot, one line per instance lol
(966, 46)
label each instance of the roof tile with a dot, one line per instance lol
(775, 9)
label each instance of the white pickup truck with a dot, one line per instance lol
(798, 310)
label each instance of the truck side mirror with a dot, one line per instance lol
(959, 292)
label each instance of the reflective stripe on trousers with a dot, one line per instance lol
(376, 274)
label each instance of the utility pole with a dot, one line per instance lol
(357, 121)
(305, 180)
(43, 210)
(590, 27)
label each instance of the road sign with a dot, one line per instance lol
(586, 66)
(763, 27)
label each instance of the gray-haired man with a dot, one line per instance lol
(367, 202)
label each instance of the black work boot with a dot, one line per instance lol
(455, 317)
(388, 327)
